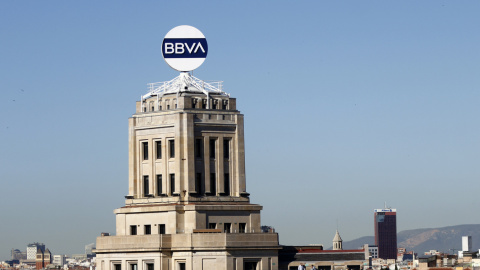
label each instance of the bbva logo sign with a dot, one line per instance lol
(184, 48)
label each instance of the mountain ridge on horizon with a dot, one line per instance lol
(444, 239)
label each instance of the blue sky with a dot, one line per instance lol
(347, 104)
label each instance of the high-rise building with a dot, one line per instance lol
(385, 221)
(466, 243)
(187, 206)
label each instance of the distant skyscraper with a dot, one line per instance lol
(466, 243)
(385, 221)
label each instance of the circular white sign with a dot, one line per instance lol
(184, 48)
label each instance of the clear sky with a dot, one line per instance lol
(347, 104)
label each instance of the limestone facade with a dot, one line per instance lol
(187, 205)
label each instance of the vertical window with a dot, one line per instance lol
(149, 266)
(171, 146)
(212, 148)
(227, 227)
(193, 102)
(226, 184)
(204, 104)
(242, 227)
(133, 229)
(214, 105)
(198, 183)
(172, 183)
(145, 109)
(145, 150)
(249, 265)
(198, 148)
(224, 105)
(168, 107)
(181, 266)
(161, 228)
(117, 266)
(175, 105)
(159, 184)
(148, 229)
(153, 108)
(213, 180)
(160, 108)
(158, 146)
(226, 148)
(212, 225)
(145, 185)
(133, 266)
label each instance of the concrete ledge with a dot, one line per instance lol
(189, 241)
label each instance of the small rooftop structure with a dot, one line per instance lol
(185, 82)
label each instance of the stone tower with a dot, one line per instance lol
(337, 242)
(187, 205)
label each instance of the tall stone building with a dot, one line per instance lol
(187, 206)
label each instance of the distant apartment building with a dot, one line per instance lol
(466, 243)
(373, 250)
(89, 248)
(59, 260)
(32, 250)
(385, 221)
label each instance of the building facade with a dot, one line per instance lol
(187, 205)
(32, 250)
(385, 222)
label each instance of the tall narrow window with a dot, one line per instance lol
(198, 148)
(224, 105)
(226, 148)
(161, 228)
(171, 147)
(159, 184)
(148, 229)
(133, 266)
(117, 266)
(172, 183)
(227, 227)
(133, 229)
(214, 104)
(242, 227)
(212, 148)
(226, 184)
(198, 183)
(213, 180)
(212, 225)
(145, 150)
(158, 146)
(181, 266)
(150, 266)
(145, 185)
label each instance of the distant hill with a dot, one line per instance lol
(422, 240)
